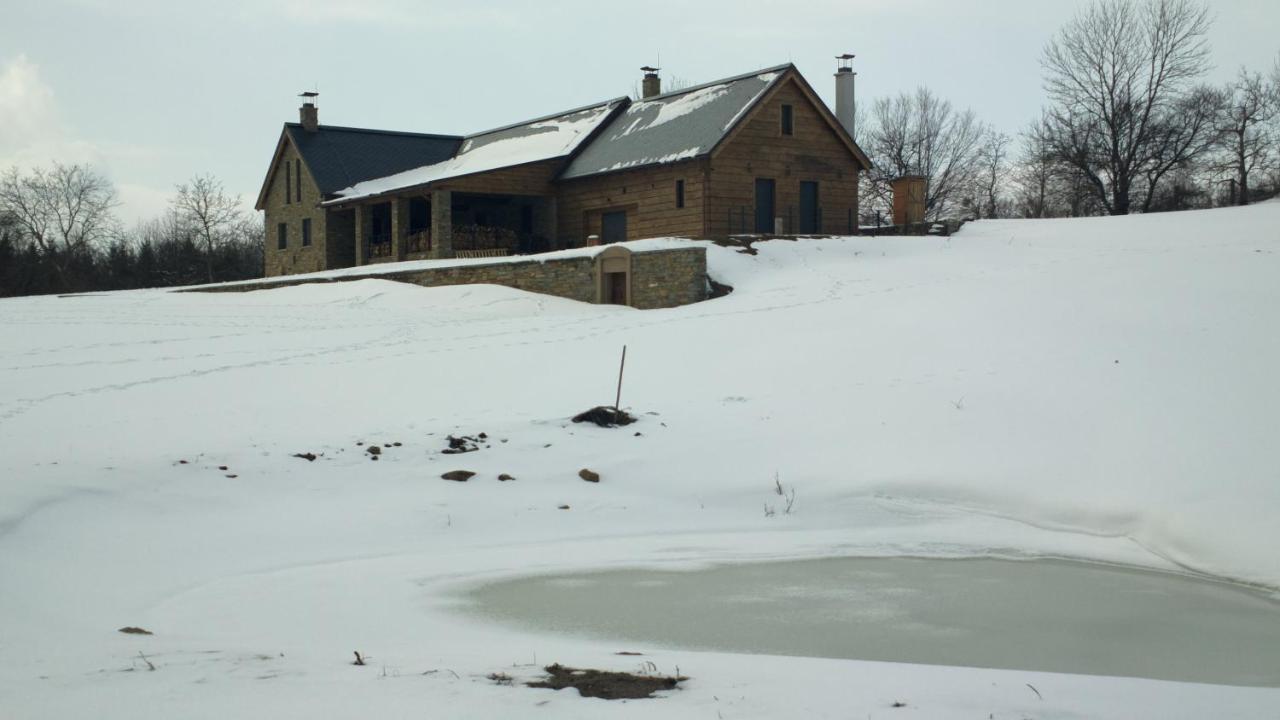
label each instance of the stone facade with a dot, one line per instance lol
(655, 278)
(668, 279)
(282, 207)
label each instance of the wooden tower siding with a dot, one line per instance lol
(758, 149)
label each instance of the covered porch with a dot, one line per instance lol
(444, 223)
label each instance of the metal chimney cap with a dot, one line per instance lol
(846, 56)
(650, 70)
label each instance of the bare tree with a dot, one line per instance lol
(1244, 134)
(989, 183)
(1044, 186)
(920, 133)
(64, 210)
(1036, 175)
(1117, 76)
(1181, 137)
(206, 211)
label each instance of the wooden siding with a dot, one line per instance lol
(648, 195)
(758, 149)
(530, 179)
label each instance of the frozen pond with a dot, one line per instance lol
(1032, 615)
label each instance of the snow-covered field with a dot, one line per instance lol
(1102, 389)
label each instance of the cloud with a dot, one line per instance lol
(33, 133)
(30, 129)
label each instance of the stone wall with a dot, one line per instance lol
(284, 208)
(668, 279)
(659, 278)
(572, 278)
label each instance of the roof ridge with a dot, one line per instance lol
(343, 128)
(562, 113)
(721, 81)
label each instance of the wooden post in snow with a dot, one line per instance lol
(617, 408)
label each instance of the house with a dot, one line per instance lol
(754, 153)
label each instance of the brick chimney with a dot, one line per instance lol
(308, 114)
(652, 84)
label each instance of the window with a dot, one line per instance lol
(297, 174)
(788, 121)
(288, 182)
(306, 232)
(282, 236)
(679, 193)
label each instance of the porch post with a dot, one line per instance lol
(361, 226)
(442, 223)
(399, 226)
(550, 225)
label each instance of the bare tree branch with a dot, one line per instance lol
(64, 210)
(1118, 75)
(205, 210)
(920, 133)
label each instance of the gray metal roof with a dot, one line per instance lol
(340, 157)
(545, 138)
(676, 126)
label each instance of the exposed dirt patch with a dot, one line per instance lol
(718, 290)
(606, 684)
(134, 631)
(309, 457)
(605, 416)
(465, 444)
(458, 475)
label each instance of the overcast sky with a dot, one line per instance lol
(154, 91)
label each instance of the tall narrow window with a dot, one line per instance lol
(306, 232)
(282, 236)
(679, 193)
(288, 183)
(297, 179)
(788, 121)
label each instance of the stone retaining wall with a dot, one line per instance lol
(659, 278)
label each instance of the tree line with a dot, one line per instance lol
(59, 233)
(1128, 126)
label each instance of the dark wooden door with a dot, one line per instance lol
(809, 220)
(615, 288)
(613, 227)
(764, 205)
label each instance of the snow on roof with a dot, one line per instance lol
(675, 126)
(541, 139)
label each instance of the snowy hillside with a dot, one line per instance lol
(1103, 389)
